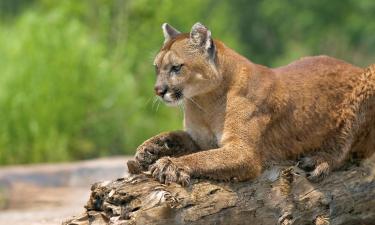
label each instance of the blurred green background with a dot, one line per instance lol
(76, 77)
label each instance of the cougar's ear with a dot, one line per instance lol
(200, 36)
(169, 32)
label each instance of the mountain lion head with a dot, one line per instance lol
(186, 64)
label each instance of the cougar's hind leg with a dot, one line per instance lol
(319, 165)
(355, 116)
(333, 154)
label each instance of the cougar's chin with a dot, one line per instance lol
(173, 103)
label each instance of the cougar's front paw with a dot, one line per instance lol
(166, 171)
(151, 150)
(145, 155)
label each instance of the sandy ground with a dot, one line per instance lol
(51, 193)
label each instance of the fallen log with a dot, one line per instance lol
(282, 195)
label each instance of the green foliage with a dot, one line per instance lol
(277, 32)
(59, 96)
(76, 76)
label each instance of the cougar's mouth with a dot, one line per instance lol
(173, 97)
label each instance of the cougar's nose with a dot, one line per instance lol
(161, 90)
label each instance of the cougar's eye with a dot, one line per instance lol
(176, 69)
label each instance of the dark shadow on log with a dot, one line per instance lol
(282, 195)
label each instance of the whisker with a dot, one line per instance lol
(157, 107)
(148, 100)
(200, 107)
(153, 102)
(181, 107)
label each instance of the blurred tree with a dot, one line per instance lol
(277, 32)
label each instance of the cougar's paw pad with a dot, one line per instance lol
(319, 173)
(165, 171)
(307, 164)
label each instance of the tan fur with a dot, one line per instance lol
(240, 116)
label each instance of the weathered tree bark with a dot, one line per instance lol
(282, 195)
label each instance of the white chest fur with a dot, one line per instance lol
(218, 136)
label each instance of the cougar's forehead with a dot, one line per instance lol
(167, 57)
